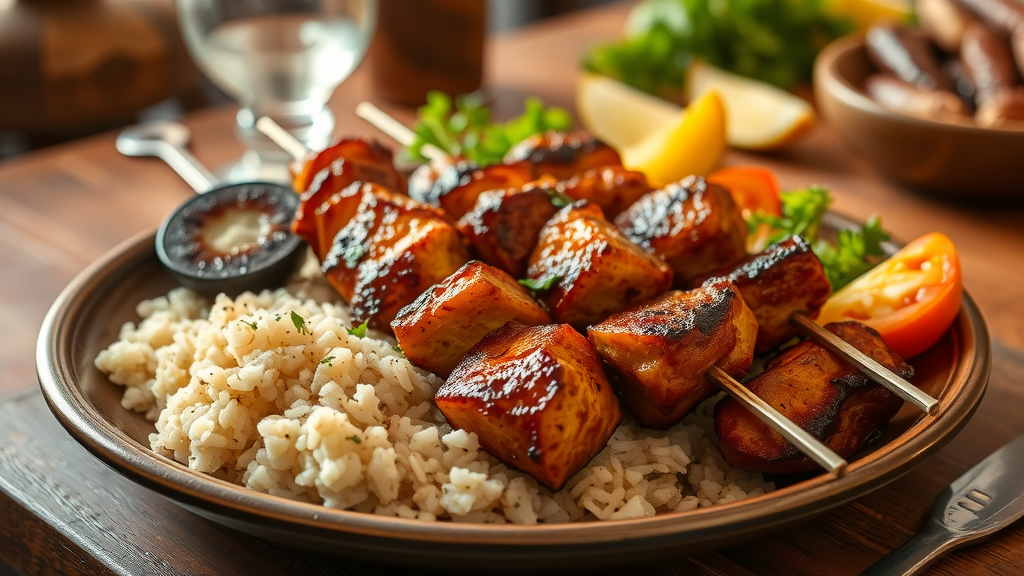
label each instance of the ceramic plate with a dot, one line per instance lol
(88, 314)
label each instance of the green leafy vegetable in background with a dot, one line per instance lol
(775, 41)
(468, 131)
(855, 251)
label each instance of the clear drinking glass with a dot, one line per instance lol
(277, 58)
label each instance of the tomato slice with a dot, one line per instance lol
(911, 298)
(752, 187)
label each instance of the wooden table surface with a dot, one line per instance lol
(62, 208)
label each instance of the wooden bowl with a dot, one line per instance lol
(87, 316)
(949, 159)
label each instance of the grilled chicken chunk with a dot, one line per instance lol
(503, 226)
(822, 394)
(592, 269)
(695, 226)
(440, 326)
(536, 397)
(613, 188)
(390, 251)
(562, 154)
(785, 279)
(457, 187)
(659, 351)
(343, 163)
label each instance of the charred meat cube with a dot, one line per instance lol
(457, 188)
(389, 252)
(695, 226)
(429, 181)
(345, 162)
(821, 393)
(503, 226)
(658, 353)
(586, 270)
(785, 279)
(537, 399)
(613, 188)
(440, 326)
(562, 154)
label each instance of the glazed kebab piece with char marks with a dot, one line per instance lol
(474, 323)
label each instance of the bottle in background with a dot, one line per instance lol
(423, 45)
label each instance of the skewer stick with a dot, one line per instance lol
(867, 365)
(800, 438)
(395, 129)
(282, 137)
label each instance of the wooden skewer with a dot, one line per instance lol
(809, 445)
(866, 364)
(282, 137)
(395, 129)
(800, 438)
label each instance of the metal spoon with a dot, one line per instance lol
(270, 251)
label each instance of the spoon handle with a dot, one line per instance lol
(167, 140)
(188, 167)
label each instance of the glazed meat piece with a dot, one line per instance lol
(695, 226)
(389, 252)
(659, 351)
(593, 271)
(503, 226)
(785, 279)
(440, 326)
(457, 188)
(562, 154)
(536, 397)
(822, 394)
(345, 162)
(613, 188)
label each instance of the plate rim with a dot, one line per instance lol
(223, 501)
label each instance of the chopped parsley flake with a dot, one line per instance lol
(353, 254)
(300, 323)
(249, 324)
(359, 331)
(328, 361)
(540, 285)
(354, 438)
(558, 199)
(398, 349)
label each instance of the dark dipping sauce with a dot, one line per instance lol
(231, 239)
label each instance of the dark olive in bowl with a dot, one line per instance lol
(948, 158)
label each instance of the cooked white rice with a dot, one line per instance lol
(319, 415)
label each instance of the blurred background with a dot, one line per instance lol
(71, 68)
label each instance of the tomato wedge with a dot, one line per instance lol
(911, 298)
(752, 187)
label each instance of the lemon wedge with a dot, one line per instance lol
(864, 13)
(619, 114)
(691, 143)
(760, 116)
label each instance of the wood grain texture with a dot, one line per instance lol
(64, 512)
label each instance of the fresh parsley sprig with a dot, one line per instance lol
(775, 41)
(854, 252)
(469, 132)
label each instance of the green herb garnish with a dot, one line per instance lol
(354, 438)
(358, 331)
(468, 131)
(855, 251)
(775, 41)
(328, 360)
(249, 324)
(398, 349)
(352, 255)
(559, 199)
(300, 323)
(540, 285)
